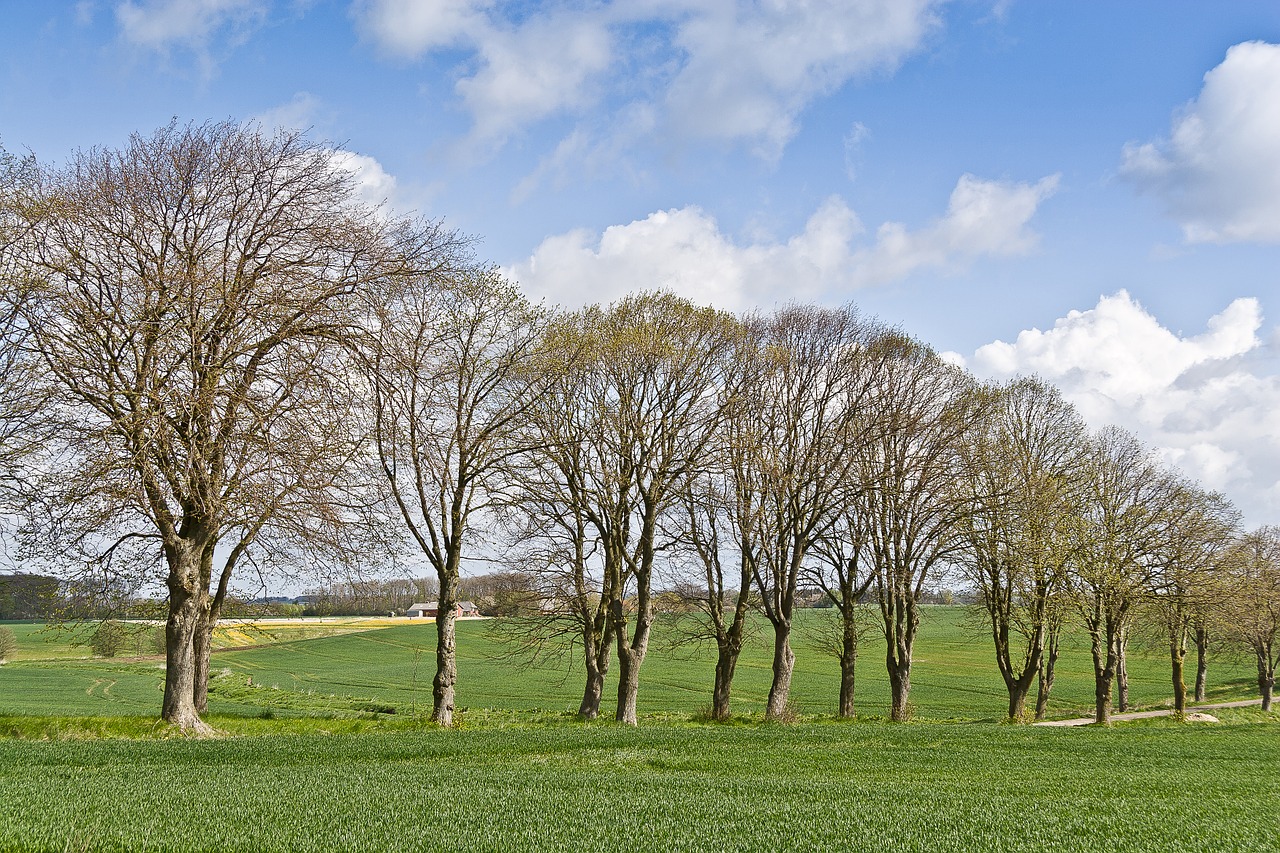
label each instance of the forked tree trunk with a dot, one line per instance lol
(899, 690)
(784, 662)
(1044, 676)
(1202, 661)
(442, 690)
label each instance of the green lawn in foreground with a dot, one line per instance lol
(954, 677)
(663, 786)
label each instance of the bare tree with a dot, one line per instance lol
(1254, 603)
(910, 492)
(1118, 535)
(180, 295)
(846, 573)
(799, 437)
(1023, 469)
(1188, 568)
(455, 364)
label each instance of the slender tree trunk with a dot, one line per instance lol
(202, 646)
(1177, 657)
(848, 666)
(1202, 661)
(784, 661)
(1044, 676)
(1122, 671)
(446, 653)
(899, 691)
(631, 654)
(596, 649)
(1266, 680)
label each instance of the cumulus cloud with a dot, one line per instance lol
(374, 185)
(1206, 401)
(684, 250)
(1218, 173)
(162, 23)
(712, 70)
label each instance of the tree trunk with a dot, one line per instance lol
(446, 653)
(848, 667)
(1104, 672)
(1266, 680)
(1122, 672)
(1044, 676)
(201, 646)
(1202, 661)
(726, 665)
(178, 706)
(631, 654)
(1177, 656)
(784, 661)
(899, 690)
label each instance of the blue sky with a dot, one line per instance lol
(1086, 190)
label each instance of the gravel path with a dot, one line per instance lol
(1143, 715)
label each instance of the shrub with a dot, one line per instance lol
(108, 640)
(8, 644)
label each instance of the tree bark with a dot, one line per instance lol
(596, 653)
(848, 667)
(201, 647)
(726, 664)
(1044, 675)
(1202, 661)
(178, 706)
(784, 661)
(899, 691)
(1122, 671)
(446, 653)
(1104, 673)
(1177, 656)
(631, 652)
(1266, 680)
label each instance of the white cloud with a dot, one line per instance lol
(1218, 173)
(752, 68)
(161, 23)
(684, 250)
(374, 186)
(983, 219)
(407, 28)
(1208, 402)
(712, 69)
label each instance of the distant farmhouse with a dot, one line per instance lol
(431, 609)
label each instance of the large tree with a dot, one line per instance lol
(455, 364)
(1124, 511)
(1254, 603)
(910, 493)
(181, 296)
(1022, 469)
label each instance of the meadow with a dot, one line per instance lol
(328, 749)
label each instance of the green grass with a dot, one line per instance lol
(371, 670)
(310, 757)
(669, 786)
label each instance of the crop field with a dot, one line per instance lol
(326, 747)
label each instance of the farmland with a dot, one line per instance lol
(314, 760)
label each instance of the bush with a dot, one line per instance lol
(108, 640)
(8, 644)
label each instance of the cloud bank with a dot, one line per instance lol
(1218, 173)
(1208, 402)
(685, 251)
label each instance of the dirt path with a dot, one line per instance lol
(1143, 715)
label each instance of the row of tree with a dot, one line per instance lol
(216, 360)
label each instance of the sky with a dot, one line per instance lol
(1088, 191)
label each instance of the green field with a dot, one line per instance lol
(329, 749)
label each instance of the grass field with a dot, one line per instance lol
(312, 758)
